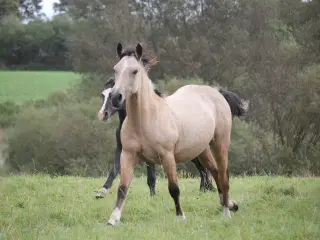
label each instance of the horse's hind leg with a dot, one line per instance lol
(205, 183)
(208, 183)
(221, 156)
(209, 161)
(151, 178)
(169, 166)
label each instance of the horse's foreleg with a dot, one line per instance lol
(169, 166)
(114, 171)
(151, 178)
(205, 182)
(128, 162)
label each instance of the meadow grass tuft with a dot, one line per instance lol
(41, 207)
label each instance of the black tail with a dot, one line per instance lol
(238, 106)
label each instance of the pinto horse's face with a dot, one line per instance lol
(106, 110)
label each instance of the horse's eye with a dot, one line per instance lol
(134, 72)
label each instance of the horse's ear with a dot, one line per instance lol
(109, 83)
(119, 49)
(139, 50)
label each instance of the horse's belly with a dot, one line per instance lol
(197, 129)
(188, 154)
(190, 146)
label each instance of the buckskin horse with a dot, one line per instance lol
(104, 115)
(165, 131)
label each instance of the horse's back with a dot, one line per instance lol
(200, 96)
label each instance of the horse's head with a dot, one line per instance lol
(128, 74)
(106, 110)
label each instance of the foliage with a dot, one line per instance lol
(61, 139)
(9, 111)
(24, 9)
(37, 45)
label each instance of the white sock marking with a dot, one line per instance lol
(226, 212)
(115, 217)
(103, 192)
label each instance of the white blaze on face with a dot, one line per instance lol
(105, 94)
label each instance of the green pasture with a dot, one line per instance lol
(20, 86)
(42, 207)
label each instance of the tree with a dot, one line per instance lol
(25, 9)
(9, 7)
(30, 9)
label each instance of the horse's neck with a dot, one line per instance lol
(140, 106)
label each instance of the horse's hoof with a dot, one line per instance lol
(152, 193)
(181, 217)
(113, 222)
(226, 213)
(235, 207)
(103, 192)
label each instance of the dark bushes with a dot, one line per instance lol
(65, 140)
(8, 113)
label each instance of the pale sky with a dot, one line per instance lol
(47, 7)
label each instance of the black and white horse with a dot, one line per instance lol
(205, 183)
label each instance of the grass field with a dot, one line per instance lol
(40, 207)
(19, 86)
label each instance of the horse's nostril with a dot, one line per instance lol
(119, 97)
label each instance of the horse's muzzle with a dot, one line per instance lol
(103, 116)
